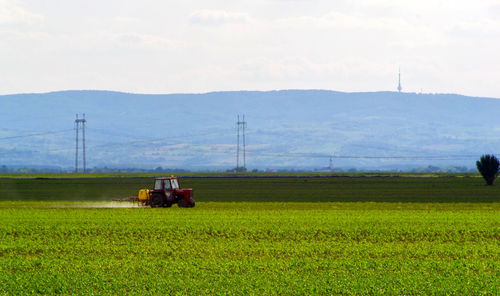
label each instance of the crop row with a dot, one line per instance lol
(251, 248)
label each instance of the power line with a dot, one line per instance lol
(35, 135)
(153, 140)
(403, 157)
(291, 154)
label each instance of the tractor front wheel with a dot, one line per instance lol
(182, 203)
(156, 200)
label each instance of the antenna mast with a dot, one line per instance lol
(399, 81)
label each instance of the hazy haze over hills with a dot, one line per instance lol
(288, 128)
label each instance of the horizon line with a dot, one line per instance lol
(243, 90)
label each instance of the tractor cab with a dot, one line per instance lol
(166, 183)
(174, 183)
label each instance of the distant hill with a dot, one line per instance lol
(287, 128)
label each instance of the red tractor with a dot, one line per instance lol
(166, 192)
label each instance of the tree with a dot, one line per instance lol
(488, 165)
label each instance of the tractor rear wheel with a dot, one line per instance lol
(156, 200)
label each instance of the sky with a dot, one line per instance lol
(190, 46)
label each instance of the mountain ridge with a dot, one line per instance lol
(284, 128)
(241, 91)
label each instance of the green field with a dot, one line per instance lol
(312, 236)
(332, 189)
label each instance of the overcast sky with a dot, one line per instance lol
(198, 46)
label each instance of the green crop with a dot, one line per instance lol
(250, 249)
(333, 189)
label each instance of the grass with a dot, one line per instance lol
(250, 248)
(300, 189)
(373, 235)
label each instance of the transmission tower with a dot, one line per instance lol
(240, 126)
(80, 125)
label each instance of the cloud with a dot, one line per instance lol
(146, 41)
(347, 21)
(494, 11)
(218, 17)
(299, 68)
(486, 29)
(126, 20)
(11, 13)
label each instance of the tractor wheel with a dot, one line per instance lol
(182, 203)
(168, 204)
(156, 200)
(191, 205)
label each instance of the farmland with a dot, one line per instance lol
(348, 236)
(300, 189)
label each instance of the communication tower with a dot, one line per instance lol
(399, 81)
